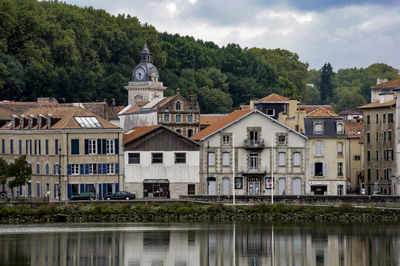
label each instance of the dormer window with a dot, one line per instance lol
(318, 128)
(166, 109)
(339, 128)
(178, 106)
(270, 112)
(226, 140)
(281, 140)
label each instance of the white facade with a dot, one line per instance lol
(137, 119)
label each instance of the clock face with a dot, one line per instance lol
(140, 73)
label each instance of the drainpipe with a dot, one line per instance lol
(305, 166)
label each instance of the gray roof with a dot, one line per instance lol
(329, 126)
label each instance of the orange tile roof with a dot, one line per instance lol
(207, 119)
(378, 104)
(164, 101)
(245, 107)
(135, 108)
(322, 112)
(137, 132)
(354, 130)
(391, 84)
(273, 97)
(18, 108)
(309, 108)
(226, 120)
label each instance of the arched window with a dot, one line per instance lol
(340, 128)
(178, 106)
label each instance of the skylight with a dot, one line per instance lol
(88, 121)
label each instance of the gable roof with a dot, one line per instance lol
(233, 117)
(273, 97)
(18, 108)
(208, 119)
(322, 112)
(377, 104)
(140, 131)
(391, 84)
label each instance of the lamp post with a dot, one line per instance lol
(233, 171)
(272, 168)
(59, 174)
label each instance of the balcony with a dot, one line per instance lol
(254, 144)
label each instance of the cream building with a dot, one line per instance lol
(242, 143)
(327, 161)
(69, 149)
(355, 156)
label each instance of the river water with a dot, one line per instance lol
(199, 244)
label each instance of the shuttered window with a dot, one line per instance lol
(211, 158)
(75, 146)
(282, 159)
(296, 159)
(226, 158)
(318, 149)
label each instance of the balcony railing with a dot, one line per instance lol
(251, 143)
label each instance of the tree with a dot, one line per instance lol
(18, 173)
(3, 171)
(326, 85)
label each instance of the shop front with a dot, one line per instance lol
(156, 188)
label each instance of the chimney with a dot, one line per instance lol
(380, 80)
(48, 120)
(178, 91)
(40, 121)
(14, 121)
(191, 99)
(30, 121)
(22, 120)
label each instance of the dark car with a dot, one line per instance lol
(84, 196)
(121, 195)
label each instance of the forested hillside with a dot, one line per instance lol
(83, 54)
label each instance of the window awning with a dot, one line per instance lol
(156, 181)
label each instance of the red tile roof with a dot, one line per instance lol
(391, 84)
(322, 112)
(226, 120)
(137, 132)
(354, 130)
(18, 108)
(208, 119)
(273, 98)
(378, 105)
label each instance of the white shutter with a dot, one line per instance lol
(282, 159)
(226, 158)
(296, 158)
(325, 170)
(321, 149)
(316, 148)
(312, 169)
(211, 159)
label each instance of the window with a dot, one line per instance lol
(319, 169)
(340, 169)
(390, 118)
(282, 159)
(384, 136)
(339, 128)
(211, 159)
(11, 146)
(377, 174)
(46, 146)
(318, 128)
(133, 158)
(340, 149)
(92, 146)
(178, 106)
(368, 156)
(37, 146)
(190, 133)
(56, 147)
(47, 169)
(20, 146)
(270, 112)
(389, 135)
(369, 174)
(156, 158)
(166, 118)
(110, 168)
(56, 169)
(190, 118)
(191, 189)
(109, 146)
(225, 140)
(368, 137)
(3, 146)
(38, 168)
(92, 169)
(377, 119)
(377, 155)
(28, 146)
(384, 118)
(75, 169)
(253, 161)
(368, 119)
(180, 157)
(179, 131)
(377, 136)
(318, 149)
(75, 146)
(88, 122)
(238, 182)
(178, 118)
(390, 155)
(296, 159)
(281, 140)
(357, 157)
(226, 159)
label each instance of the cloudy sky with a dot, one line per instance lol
(346, 33)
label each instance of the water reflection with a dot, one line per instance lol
(194, 244)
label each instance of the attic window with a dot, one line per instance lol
(88, 121)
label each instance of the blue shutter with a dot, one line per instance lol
(47, 169)
(104, 168)
(82, 169)
(20, 190)
(98, 146)
(116, 187)
(86, 187)
(99, 169)
(104, 141)
(11, 146)
(86, 169)
(69, 169)
(39, 148)
(100, 195)
(47, 146)
(38, 189)
(104, 190)
(82, 188)
(35, 146)
(20, 146)
(3, 148)
(86, 146)
(38, 168)
(69, 190)
(55, 190)
(29, 189)
(116, 146)
(117, 168)
(54, 170)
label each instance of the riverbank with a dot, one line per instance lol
(127, 212)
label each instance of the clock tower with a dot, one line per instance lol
(144, 86)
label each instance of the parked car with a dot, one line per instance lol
(84, 196)
(121, 195)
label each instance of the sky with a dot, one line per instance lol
(346, 33)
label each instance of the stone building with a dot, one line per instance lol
(253, 147)
(148, 106)
(354, 155)
(160, 163)
(69, 149)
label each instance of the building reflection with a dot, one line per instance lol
(255, 244)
